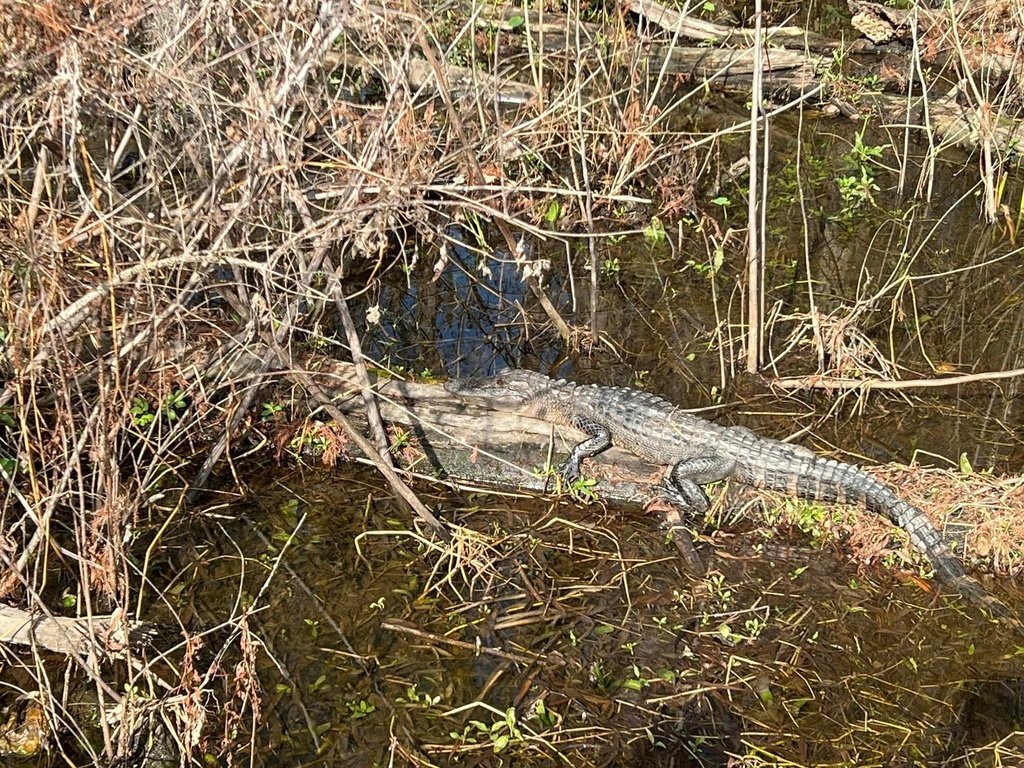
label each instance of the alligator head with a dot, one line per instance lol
(511, 390)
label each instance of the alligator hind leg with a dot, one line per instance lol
(683, 482)
(600, 440)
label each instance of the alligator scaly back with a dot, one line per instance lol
(701, 452)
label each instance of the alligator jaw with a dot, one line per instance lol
(511, 390)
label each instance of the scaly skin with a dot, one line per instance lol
(701, 452)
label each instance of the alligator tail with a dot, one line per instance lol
(926, 539)
(830, 480)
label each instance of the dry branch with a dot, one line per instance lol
(828, 383)
(687, 26)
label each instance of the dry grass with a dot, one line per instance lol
(180, 180)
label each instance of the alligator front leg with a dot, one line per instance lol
(600, 440)
(683, 482)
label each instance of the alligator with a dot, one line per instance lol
(701, 452)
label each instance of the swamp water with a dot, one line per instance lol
(560, 634)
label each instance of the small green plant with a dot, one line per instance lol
(710, 268)
(544, 716)
(141, 412)
(870, 82)
(270, 411)
(856, 192)
(727, 635)
(414, 697)
(309, 441)
(637, 682)
(500, 733)
(584, 489)
(809, 518)
(862, 154)
(553, 212)
(399, 439)
(654, 232)
(965, 465)
(601, 678)
(857, 188)
(610, 268)
(174, 405)
(320, 684)
(755, 625)
(718, 588)
(474, 226)
(357, 710)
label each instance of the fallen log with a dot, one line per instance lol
(474, 447)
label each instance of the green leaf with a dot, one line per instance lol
(965, 465)
(515, 22)
(553, 213)
(655, 231)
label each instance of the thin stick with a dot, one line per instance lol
(754, 319)
(815, 382)
(364, 445)
(441, 639)
(355, 347)
(477, 176)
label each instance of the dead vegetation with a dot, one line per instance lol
(179, 180)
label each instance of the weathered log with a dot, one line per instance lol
(713, 33)
(472, 446)
(459, 443)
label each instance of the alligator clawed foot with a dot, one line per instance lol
(568, 473)
(688, 497)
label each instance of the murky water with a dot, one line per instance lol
(560, 634)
